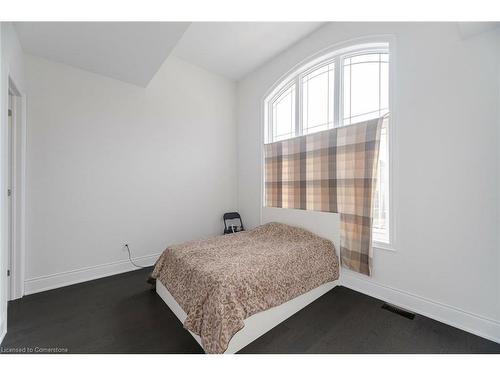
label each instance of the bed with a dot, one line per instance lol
(229, 290)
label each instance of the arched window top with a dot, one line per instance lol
(335, 88)
(339, 87)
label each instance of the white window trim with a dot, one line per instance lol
(334, 52)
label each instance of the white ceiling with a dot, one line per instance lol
(134, 51)
(128, 51)
(234, 49)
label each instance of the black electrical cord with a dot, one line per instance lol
(130, 258)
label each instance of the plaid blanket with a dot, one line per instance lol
(334, 170)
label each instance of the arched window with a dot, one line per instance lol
(339, 88)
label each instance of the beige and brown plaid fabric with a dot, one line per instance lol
(334, 170)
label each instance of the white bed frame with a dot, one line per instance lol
(321, 223)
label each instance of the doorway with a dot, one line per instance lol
(10, 210)
(15, 181)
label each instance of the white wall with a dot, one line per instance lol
(446, 99)
(12, 64)
(110, 163)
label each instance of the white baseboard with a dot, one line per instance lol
(470, 322)
(57, 280)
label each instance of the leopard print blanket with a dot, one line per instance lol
(223, 280)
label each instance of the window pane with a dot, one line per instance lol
(284, 115)
(365, 95)
(366, 87)
(381, 203)
(384, 87)
(317, 99)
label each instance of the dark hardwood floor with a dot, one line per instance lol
(120, 314)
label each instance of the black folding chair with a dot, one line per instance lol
(232, 228)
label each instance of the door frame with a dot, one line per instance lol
(18, 186)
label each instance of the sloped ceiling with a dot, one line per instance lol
(134, 51)
(234, 49)
(128, 51)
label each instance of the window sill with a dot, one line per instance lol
(383, 246)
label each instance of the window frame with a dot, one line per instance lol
(336, 55)
(337, 59)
